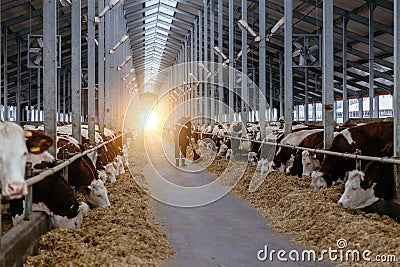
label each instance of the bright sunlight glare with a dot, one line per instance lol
(151, 120)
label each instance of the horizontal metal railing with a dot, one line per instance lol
(48, 172)
(390, 160)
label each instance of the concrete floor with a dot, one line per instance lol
(226, 232)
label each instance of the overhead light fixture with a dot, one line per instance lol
(123, 40)
(244, 26)
(132, 81)
(129, 73)
(123, 63)
(95, 40)
(201, 65)
(112, 5)
(65, 3)
(277, 25)
(219, 52)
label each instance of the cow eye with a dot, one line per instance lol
(25, 153)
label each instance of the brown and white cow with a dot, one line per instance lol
(14, 148)
(82, 175)
(55, 197)
(284, 158)
(370, 138)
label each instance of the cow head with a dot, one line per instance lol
(310, 163)
(71, 223)
(111, 172)
(252, 157)
(14, 149)
(358, 191)
(96, 194)
(318, 181)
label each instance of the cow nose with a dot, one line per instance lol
(17, 189)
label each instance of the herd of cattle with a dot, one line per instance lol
(362, 188)
(55, 194)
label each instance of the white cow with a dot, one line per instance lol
(310, 163)
(355, 197)
(13, 156)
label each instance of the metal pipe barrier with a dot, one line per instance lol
(318, 151)
(48, 172)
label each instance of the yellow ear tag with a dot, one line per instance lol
(34, 149)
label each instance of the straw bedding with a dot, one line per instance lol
(125, 234)
(313, 217)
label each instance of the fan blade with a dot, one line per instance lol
(313, 48)
(312, 58)
(37, 60)
(298, 45)
(35, 50)
(296, 53)
(301, 62)
(40, 42)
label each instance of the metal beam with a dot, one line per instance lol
(396, 95)
(50, 70)
(91, 71)
(101, 67)
(327, 69)
(288, 11)
(345, 21)
(76, 79)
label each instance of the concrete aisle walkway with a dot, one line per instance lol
(227, 232)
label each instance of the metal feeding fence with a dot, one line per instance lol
(48, 172)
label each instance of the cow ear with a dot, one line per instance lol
(85, 190)
(367, 183)
(38, 142)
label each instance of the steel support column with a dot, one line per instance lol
(18, 93)
(360, 106)
(100, 65)
(91, 71)
(108, 31)
(345, 21)
(371, 8)
(306, 95)
(376, 104)
(281, 111)
(327, 70)
(64, 93)
(5, 82)
(210, 86)
(195, 86)
(50, 69)
(396, 95)
(231, 57)
(271, 91)
(221, 112)
(192, 50)
(244, 93)
(262, 68)
(288, 6)
(200, 76)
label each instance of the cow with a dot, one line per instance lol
(370, 138)
(82, 175)
(55, 197)
(310, 163)
(374, 182)
(371, 190)
(14, 147)
(284, 157)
